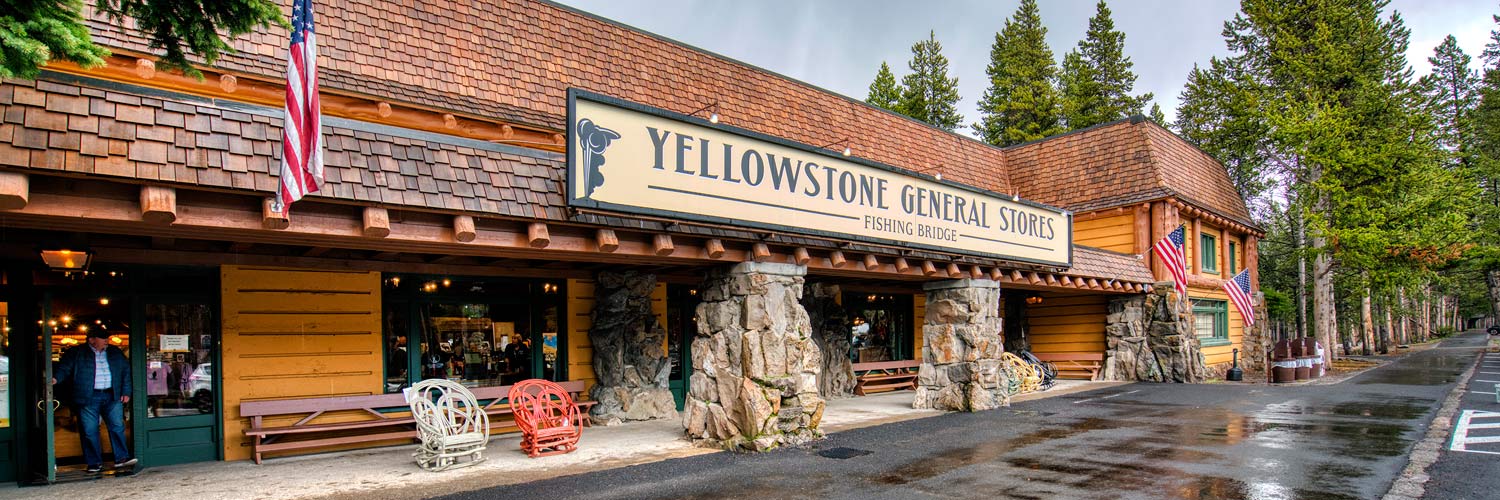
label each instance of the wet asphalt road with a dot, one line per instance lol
(1348, 440)
(1471, 474)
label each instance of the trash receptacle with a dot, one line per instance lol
(1304, 359)
(1283, 364)
(1319, 368)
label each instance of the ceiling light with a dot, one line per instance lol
(65, 260)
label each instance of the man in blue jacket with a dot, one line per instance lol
(95, 379)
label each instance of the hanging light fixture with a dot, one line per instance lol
(712, 117)
(66, 260)
(844, 141)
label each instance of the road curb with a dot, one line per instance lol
(1410, 485)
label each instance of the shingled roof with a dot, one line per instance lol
(1121, 163)
(515, 60)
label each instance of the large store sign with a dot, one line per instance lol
(631, 158)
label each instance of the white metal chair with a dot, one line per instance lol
(450, 423)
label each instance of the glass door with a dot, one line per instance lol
(682, 326)
(68, 321)
(178, 353)
(46, 404)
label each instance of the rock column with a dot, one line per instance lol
(1150, 338)
(755, 365)
(830, 330)
(962, 346)
(630, 361)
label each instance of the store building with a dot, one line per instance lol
(516, 189)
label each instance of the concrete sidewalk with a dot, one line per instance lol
(390, 472)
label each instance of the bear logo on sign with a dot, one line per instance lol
(592, 141)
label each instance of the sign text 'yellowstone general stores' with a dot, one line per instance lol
(632, 158)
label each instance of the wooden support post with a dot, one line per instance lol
(15, 191)
(871, 263)
(901, 265)
(1252, 261)
(463, 228)
(954, 271)
(158, 204)
(714, 248)
(272, 219)
(760, 252)
(607, 240)
(836, 259)
(1143, 229)
(800, 256)
(928, 269)
(1192, 253)
(537, 235)
(663, 245)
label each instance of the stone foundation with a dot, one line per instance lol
(1150, 338)
(629, 358)
(962, 346)
(755, 365)
(1257, 341)
(830, 330)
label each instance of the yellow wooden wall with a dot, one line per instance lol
(1114, 233)
(580, 350)
(1221, 354)
(919, 318)
(1067, 323)
(291, 333)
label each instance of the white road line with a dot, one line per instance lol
(1490, 381)
(1490, 373)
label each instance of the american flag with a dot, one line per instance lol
(1239, 292)
(1169, 250)
(301, 132)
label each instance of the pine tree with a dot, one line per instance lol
(1452, 94)
(1156, 115)
(1096, 80)
(1021, 103)
(884, 92)
(33, 32)
(927, 93)
(1218, 113)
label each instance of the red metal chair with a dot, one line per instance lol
(547, 417)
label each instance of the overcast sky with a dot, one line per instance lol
(839, 45)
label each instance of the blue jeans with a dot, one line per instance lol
(108, 405)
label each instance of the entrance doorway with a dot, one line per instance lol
(682, 326)
(165, 323)
(882, 328)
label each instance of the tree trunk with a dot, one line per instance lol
(1324, 319)
(1389, 331)
(1367, 333)
(1405, 320)
(1301, 277)
(1492, 277)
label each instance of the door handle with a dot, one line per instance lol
(55, 405)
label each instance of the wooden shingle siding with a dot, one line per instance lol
(291, 333)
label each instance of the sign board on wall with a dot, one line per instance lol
(631, 158)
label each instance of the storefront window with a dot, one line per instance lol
(1211, 322)
(179, 360)
(480, 332)
(881, 327)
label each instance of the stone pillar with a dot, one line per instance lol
(962, 346)
(1150, 338)
(630, 359)
(1256, 340)
(755, 364)
(830, 331)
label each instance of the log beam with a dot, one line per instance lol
(662, 245)
(901, 265)
(15, 190)
(537, 235)
(928, 268)
(377, 222)
(607, 240)
(714, 248)
(271, 218)
(158, 205)
(760, 252)
(836, 259)
(800, 256)
(871, 263)
(463, 228)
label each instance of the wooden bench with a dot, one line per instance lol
(1074, 365)
(884, 376)
(391, 418)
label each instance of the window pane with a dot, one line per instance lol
(1233, 252)
(1208, 252)
(1203, 324)
(179, 360)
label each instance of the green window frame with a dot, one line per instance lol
(1211, 322)
(1208, 253)
(1233, 252)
